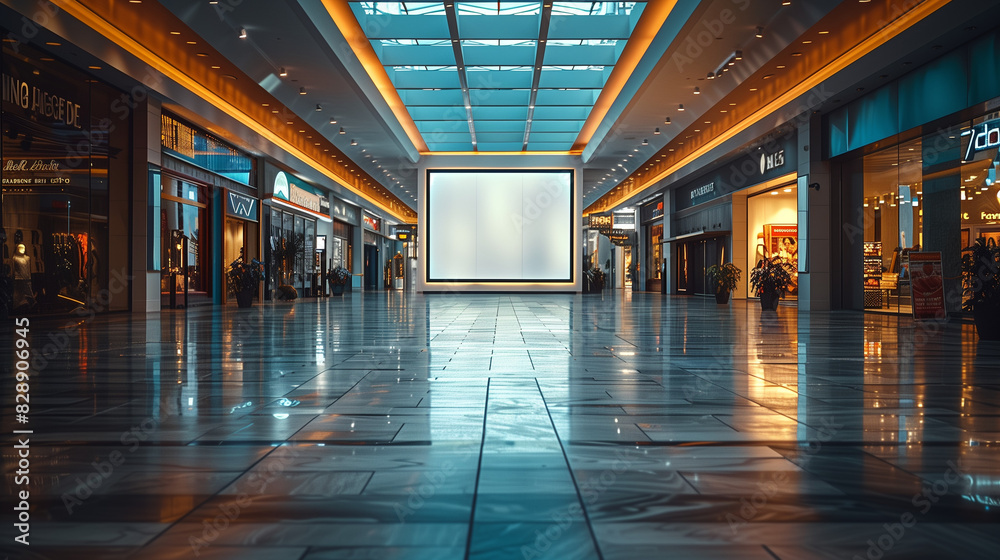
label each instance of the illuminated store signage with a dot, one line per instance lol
(601, 223)
(40, 102)
(621, 237)
(771, 161)
(702, 191)
(624, 220)
(983, 137)
(286, 189)
(371, 222)
(33, 172)
(343, 211)
(403, 233)
(241, 206)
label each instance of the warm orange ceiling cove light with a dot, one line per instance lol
(342, 16)
(649, 24)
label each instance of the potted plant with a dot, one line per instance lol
(287, 254)
(242, 279)
(724, 279)
(338, 278)
(981, 285)
(769, 280)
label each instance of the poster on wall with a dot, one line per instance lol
(782, 241)
(927, 285)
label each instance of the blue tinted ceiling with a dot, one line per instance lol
(498, 76)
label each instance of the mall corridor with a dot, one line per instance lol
(449, 426)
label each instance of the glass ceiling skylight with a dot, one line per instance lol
(498, 76)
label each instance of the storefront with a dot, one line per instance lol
(740, 212)
(340, 247)
(374, 251)
(208, 213)
(65, 154)
(917, 172)
(294, 210)
(651, 216)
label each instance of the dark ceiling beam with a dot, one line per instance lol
(543, 35)
(456, 45)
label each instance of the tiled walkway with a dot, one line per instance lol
(391, 426)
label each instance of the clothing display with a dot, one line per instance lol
(24, 296)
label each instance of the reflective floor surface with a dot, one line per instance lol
(408, 426)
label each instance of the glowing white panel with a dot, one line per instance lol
(498, 248)
(546, 227)
(451, 226)
(499, 226)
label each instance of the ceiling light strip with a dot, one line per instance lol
(654, 14)
(342, 16)
(463, 80)
(543, 35)
(873, 41)
(110, 31)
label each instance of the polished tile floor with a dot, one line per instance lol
(409, 426)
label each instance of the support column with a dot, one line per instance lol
(815, 227)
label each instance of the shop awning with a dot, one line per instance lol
(697, 235)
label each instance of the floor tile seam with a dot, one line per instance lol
(324, 413)
(576, 484)
(195, 507)
(479, 471)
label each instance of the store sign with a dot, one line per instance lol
(927, 285)
(658, 211)
(241, 206)
(40, 102)
(624, 220)
(288, 190)
(702, 191)
(601, 222)
(983, 136)
(771, 161)
(371, 222)
(305, 198)
(33, 172)
(281, 186)
(622, 237)
(403, 233)
(344, 212)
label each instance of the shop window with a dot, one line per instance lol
(772, 221)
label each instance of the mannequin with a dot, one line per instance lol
(24, 296)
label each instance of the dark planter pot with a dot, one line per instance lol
(244, 299)
(337, 289)
(769, 301)
(987, 324)
(722, 298)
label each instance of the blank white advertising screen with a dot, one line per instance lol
(499, 226)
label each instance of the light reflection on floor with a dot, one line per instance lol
(513, 426)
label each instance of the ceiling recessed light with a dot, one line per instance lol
(680, 107)
(201, 54)
(302, 91)
(319, 107)
(342, 131)
(243, 33)
(333, 120)
(657, 131)
(175, 32)
(666, 120)
(760, 32)
(697, 90)
(282, 72)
